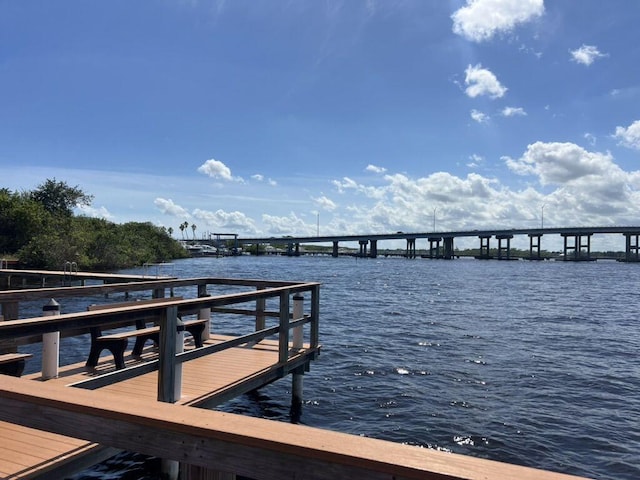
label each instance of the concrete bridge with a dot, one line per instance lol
(577, 242)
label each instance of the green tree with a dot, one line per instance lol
(58, 198)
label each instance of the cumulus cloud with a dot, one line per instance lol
(218, 170)
(166, 206)
(375, 169)
(629, 136)
(480, 20)
(325, 203)
(513, 112)
(287, 225)
(230, 220)
(560, 163)
(347, 184)
(481, 81)
(100, 212)
(586, 54)
(479, 117)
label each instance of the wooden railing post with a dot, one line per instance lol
(315, 317)
(168, 376)
(205, 313)
(284, 327)
(298, 313)
(260, 308)
(167, 358)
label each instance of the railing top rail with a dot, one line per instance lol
(56, 292)
(39, 325)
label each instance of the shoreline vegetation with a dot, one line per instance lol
(38, 229)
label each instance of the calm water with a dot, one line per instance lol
(534, 363)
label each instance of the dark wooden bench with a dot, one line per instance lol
(117, 342)
(13, 363)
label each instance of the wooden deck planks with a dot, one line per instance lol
(27, 452)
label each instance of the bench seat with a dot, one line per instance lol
(117, 342)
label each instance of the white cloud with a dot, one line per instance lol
(166, 206)
(479, 117)
(229, 220)
(325, 203)
(586, 54)
(90, 211)
(475, 160)
(590, 138)
(375, 169)
(480, 20)
(218, 170)
(513, 112)
(288, 225)
(260, 178)
(481, 81)
(560, 163)
(630, 136)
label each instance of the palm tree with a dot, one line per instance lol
(193, 229)
(170, 231)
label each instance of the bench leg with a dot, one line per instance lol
(116, 347)
(141, 340)
(14, 368)
(196, 332)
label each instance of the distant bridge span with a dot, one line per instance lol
(577, 241)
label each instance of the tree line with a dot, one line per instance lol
(39, 229)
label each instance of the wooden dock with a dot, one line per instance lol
(207, 381)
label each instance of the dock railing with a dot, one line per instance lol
(168, 314)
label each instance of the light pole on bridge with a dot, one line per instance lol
(434, 219)
(542, 216)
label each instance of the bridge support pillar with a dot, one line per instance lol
(504, 250)
(448, 248)
(374, 249)
(579, 250)
(632, 249)
(411, 248)
(334, 253)
(534, 246)
(363, 248)
(434, 252)
(485, 241)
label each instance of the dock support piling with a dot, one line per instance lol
(50, 344)
(297, 344)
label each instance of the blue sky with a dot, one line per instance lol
(266, 117)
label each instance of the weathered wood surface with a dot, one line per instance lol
(257, 448)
